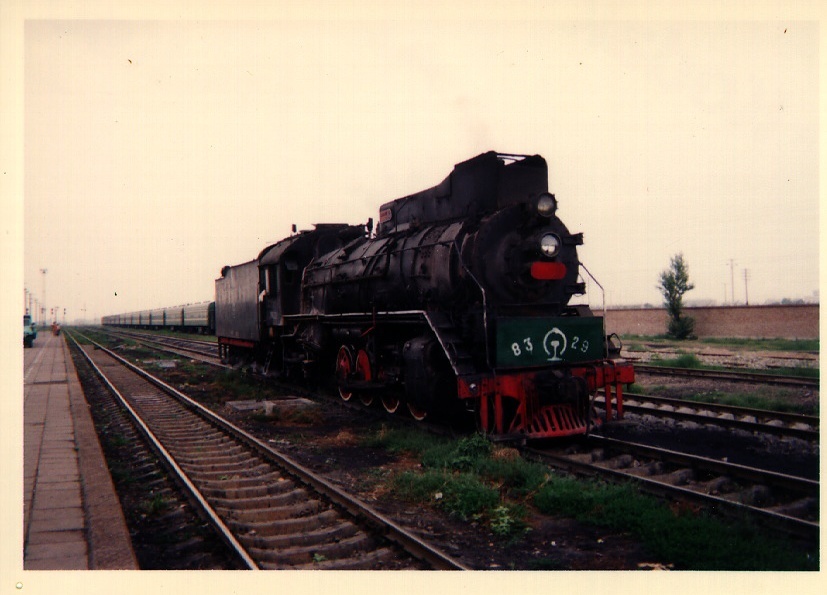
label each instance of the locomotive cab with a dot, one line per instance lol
(253, 298)
(281, 267)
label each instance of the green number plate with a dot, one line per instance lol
(548, 341)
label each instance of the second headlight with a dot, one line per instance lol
(549, 245)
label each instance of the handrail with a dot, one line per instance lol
(484, 303)
(603, 298)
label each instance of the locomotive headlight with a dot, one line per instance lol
(549, 245)
(546, 204)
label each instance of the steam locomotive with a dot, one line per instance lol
(459, 302)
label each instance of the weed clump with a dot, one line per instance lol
(468, 478)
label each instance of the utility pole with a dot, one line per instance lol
(746, 284)
(732, 279)
(43, 290)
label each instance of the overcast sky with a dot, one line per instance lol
(157, 152)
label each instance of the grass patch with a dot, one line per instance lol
(761, 398)
(121, 473)
(463, 477)
(685, 360)
(185, 335)
(156, 505)
(189, 367)
(240, 386)
(118, 440)
(473, 480)
(410, 441)
(691, 361)
(80, 340)
(463, 495)
(798, 372)
(289, 415)
(642, 390)
(793, 345)
(766, 344)
(689, 541)
(502, 468)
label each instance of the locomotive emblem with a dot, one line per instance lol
(555, 344)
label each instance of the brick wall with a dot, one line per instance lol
(788, 322)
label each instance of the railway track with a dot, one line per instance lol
(804, 427)
(166, 531)
(784, 503)
(774, 423)
(731, 376)
(272, 512)
(204, 351)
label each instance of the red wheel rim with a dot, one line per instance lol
(417, 413)
(344, 367)
(363, 372)
(391, 403)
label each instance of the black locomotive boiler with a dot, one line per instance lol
(459, 302)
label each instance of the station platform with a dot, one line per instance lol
(72, 519)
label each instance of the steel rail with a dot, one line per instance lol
(194, 345)
(388, 528)
(784, 416)
(166, 458)
(811, 433)
(730, 375)
(778, 521)
(793, 483)
(159, 345)
(180, 336)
